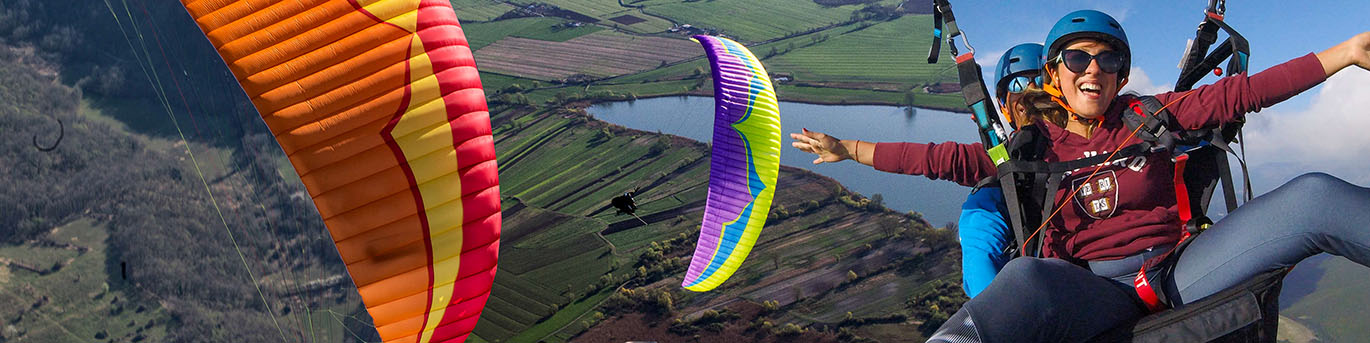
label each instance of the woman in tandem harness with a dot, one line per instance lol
(1112, 217)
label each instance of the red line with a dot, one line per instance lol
(1076, 188)
(170, 72)
(386, 134)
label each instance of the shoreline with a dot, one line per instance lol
(958, 109)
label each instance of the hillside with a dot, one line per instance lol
(117, 236)
(1332, 308)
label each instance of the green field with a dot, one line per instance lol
(861, 63)
(521, 301)
(558, 324)
(949, 102)
(94, 304)
(754, 20)
(603, 10)
(87, 306)
(515, 304)
(645, 90)
(686, 69)
(1334, 310)
(551, 255)
(541, 28)
(479, 10)
(885, 52)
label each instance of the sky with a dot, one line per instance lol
(1325, 129)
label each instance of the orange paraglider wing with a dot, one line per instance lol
(379, 106)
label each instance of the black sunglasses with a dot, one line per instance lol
(1078, 60)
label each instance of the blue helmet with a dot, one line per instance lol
(1088, 24)
(1021, 58)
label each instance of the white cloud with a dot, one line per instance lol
(1138, 81)
(988, 59)
(1331, 135)
(1117, 9)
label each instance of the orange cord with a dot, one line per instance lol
(1076, 188)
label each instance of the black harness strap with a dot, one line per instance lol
(973, 89)
(1020, 166)
(936, 50)
(1235, 50)
(1030, 184)
(941, 13)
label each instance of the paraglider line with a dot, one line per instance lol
(166, 105)
(344, 325)
(1047, 220)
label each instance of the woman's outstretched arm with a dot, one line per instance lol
(1354, 51)
(830, 149)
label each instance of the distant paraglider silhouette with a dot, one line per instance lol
(627, 205)
(61, 132)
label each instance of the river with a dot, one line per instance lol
(938, 201)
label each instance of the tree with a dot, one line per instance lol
(770, 305)
(664, 303)
(661, 145)
(602, 135)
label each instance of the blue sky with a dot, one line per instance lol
(1277, 30)
(1324, 129)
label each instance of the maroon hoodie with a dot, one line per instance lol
(1129, 205)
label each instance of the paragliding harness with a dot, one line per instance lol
(1200, 156)
(1030, 185)
(626, 204)
(1201, 163)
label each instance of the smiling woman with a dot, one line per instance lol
(1125, 221)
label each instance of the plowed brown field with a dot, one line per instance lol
(600, 54)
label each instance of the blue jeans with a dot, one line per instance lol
(984, 234)
(1035, 300)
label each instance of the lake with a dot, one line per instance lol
(939, 201)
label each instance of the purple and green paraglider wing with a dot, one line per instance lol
(745, 163)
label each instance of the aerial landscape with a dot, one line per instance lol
(166, 211)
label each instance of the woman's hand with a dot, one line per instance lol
(1360, 52)
(1354, 51)
(828, 148)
